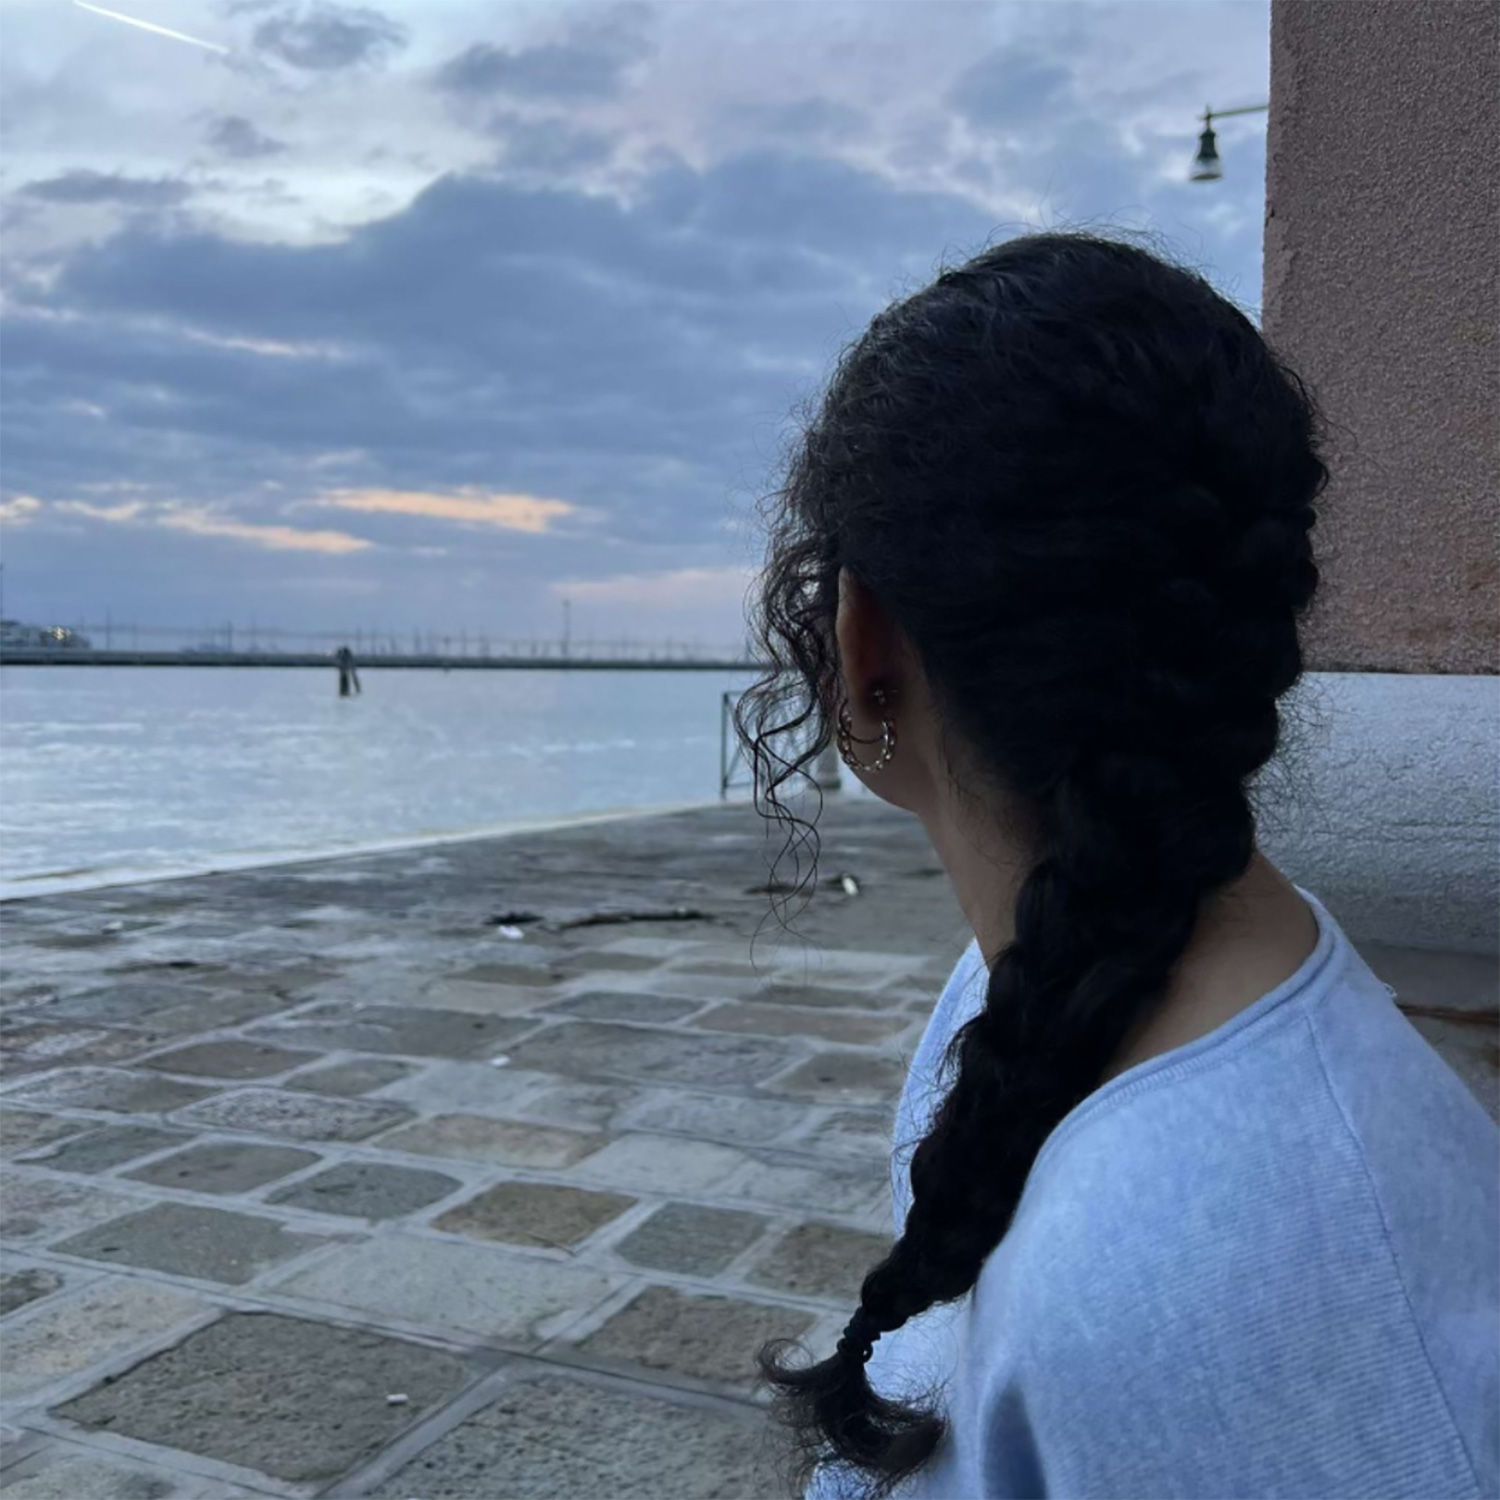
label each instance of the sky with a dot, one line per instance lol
(434, 314)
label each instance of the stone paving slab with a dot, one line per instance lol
(716, 1117)
(864, 1133)
(290, 1397)
(662, 1164)
(107, 1147)
(38, 1047)
(707, 1338)
(367, 1190)
(62, 1336)
(299, 1117)
(534, 1213)
(472, 1088)
(594, 1049)
(27, 1284)
(229, 1059)
(787, 1020)
(67, 1472)
(214, 1012)
(125, 1002)
(508, 1143)
(842, 1078)
(511, 1448)
(206, 1244)
(24, 1130)
(820, 1260)
(852, 996)
(480, 998)
(409, 1031)
(597, 1106)
(692, 1239)
(482, 1291)
(37, 1209)
(348, 1080)
(224, 1167)
(109, 1089)
(626, 1005)
(830, 1188)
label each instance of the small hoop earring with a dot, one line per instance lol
(847, 738)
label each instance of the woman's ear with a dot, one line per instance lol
(865, 643)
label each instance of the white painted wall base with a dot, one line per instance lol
(1385, 803)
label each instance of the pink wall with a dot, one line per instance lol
(1382, 287)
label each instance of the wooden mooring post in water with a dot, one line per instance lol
(348, 672)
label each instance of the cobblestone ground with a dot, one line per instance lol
(404, 1175)
(320, 1183)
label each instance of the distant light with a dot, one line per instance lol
(1206, 164)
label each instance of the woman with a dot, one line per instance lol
(1192, 1209)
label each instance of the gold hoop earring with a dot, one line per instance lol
(847, 738)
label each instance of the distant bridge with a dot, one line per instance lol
(89, 656)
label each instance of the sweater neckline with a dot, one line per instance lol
(1312, 977)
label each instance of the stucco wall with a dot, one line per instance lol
(1384, 801)
(1382, 286)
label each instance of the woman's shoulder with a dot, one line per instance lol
(1317, 1250)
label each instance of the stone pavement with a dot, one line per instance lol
(404, 1175)
(321, 1183)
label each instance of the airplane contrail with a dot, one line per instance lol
(114, 15)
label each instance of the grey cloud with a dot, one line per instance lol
(85, 186)
(530, 339)
(324, 37)
(549, 147)
(812, 119)
(591, 64)
(1011, 87)
(236, 136)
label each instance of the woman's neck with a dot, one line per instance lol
(1249, 938)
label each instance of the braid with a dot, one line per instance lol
(1107, 617)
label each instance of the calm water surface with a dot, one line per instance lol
(107, 772)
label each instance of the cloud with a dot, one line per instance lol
(549, 148)
(202, 522)
(128, 510)
(1013, 87)
(196, 519)
(509, 512)
(811, 119)
(324, 38)
(84, 186)
(633, 356)
(237, 137)
(674, 589)
(22, 508)
(591, 64)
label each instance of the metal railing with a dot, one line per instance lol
(367, 645)
(823, 773)
(731, 750)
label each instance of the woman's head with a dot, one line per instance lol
(1069, 488)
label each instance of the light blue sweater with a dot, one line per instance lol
(1265, 1264)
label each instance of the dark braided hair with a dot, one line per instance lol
(1080, 482)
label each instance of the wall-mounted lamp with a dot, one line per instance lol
(1206, 164)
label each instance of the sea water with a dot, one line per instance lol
(110, 773)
